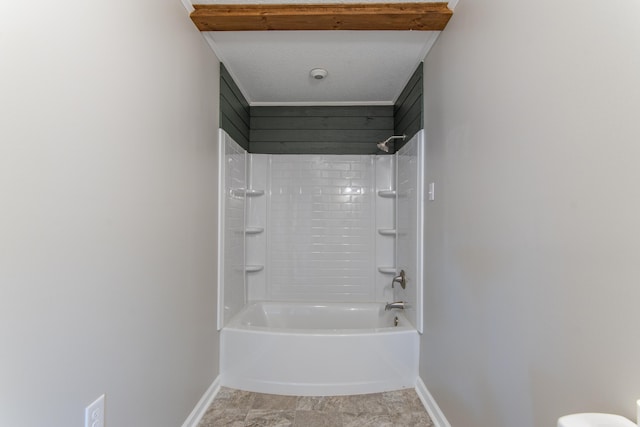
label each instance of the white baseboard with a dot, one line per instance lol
(430, 405)
(201, 407)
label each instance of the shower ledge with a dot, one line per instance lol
(387, 231)
(387, 193)
(248, 192)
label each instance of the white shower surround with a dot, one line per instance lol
(320, 227)
(305, 216)
(410, 207)
(232, 173)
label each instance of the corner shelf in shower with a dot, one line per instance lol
(389, 194)
(387, 270)
(253, 230)
(253, 268)
(248, 192)
(387, 231)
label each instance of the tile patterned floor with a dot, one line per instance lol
(236, 408)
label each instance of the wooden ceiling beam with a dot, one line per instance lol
(339, 16)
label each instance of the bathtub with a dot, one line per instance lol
(318, 349)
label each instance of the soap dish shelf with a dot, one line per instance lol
(389, 194)
(253, 268)
(248, 192)
(387, 231)
(387, 270)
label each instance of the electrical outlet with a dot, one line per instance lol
(94, 413)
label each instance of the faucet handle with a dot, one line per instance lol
(402, 279)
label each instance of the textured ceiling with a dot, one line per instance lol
(365, 67)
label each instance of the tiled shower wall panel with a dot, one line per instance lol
(320, 228)
(233, 170)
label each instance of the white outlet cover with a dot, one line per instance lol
(94, 413)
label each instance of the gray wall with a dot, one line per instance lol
(533, 257)
(108, 127)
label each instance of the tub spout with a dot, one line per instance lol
(397, 304)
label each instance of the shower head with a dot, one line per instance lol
(384, 145)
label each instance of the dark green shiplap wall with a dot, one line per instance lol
(320, 129)
(234, 110)
(408, 109)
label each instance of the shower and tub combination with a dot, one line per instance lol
(320, 270)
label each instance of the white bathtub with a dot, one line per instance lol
(312, 349)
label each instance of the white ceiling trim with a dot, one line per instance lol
(321, 104)
(425, 51)
(188, 5)
(214, 47)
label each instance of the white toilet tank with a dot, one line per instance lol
(594, 420)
